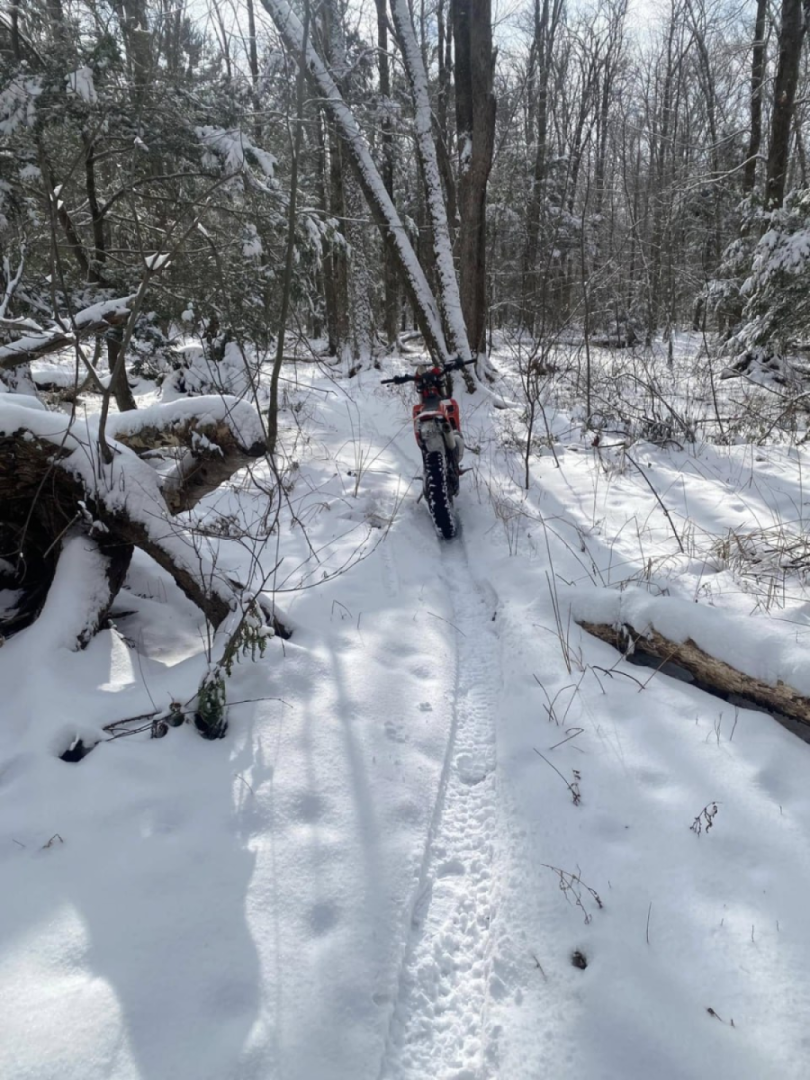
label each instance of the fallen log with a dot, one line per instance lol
(213, 449)
(59, 500)
(709, 673)
(96, 319)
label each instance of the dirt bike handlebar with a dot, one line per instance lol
(454, 365)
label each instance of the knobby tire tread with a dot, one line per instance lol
(437, 492)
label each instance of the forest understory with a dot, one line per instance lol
(447, 831)
(291, 785)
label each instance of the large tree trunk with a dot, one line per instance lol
(547, 14)
(475, 119)
(450, 301)
(337, 261)
(354, 318)
(791, 35)
(661, 156)
(323, 187)
(391, 301)
(360, 287)
(757, 79)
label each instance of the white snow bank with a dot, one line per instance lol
(17, 415)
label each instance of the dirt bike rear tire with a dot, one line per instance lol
(437, 494)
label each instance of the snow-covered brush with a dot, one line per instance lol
(773, 554)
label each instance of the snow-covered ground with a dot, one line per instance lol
(439, 793)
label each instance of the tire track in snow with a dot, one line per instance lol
(439, 1026)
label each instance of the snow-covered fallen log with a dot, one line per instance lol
(54, 485)
(750, 658)
(220, 435)
(87, 578)
(95, 319)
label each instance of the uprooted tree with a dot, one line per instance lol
(55, 487)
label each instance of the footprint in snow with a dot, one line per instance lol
(310, 808)
(396, 731)
(323, 917)
(471, 770)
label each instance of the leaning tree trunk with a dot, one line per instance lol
(379, 201)
(391, 303)
(450, 300)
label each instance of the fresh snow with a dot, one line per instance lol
(81, 82)
(86, 317)
(425, 795)
(233, 146)
(158, 260)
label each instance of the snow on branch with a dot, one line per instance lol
(172, 419)
(235, 149)
(92, 320)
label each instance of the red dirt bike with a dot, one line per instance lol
(437, 427)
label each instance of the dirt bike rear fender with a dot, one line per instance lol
(447, 411)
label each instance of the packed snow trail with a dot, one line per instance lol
(439, 1025)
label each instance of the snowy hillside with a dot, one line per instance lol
(448, 834)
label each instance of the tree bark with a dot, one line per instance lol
(253, 62)
(791, 35)
(378, 199)
(391, 301)
(272, 412)
(451, 301)
(757, 78)
(547, 14)
(475, 121)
